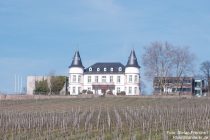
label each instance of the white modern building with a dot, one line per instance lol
(199, 87)
(104, 77)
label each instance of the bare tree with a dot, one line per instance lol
(142, 88)
(50, 75)
(162, 60)
(205, 69)
(158, 62)
(183, 64)
(209, 87)
(183, 61)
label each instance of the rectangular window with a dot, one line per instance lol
(96, 79)
(118, 79)
(74, 90)
(118, 89)
(79, 78)
(130, 90)
(103, 79)
(197, 84)
(130, 78)
(111, 79)
(197, 92)
(96, 91)
(74, 78)
(79, 89)
(135, 90)
(136, 79)
(89, 79)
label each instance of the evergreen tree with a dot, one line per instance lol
(41, 87)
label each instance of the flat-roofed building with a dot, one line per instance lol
(173, 85)
(199, 87)
(178, 86)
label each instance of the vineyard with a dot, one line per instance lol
(104, 118)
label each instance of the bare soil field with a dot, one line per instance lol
(105, 118)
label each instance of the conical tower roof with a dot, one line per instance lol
(76, 62)
(132, 60)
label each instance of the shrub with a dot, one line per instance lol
(57, 83)
(89, 92)
(84, 91)
(122, 93)
(41, 87)
(109, 93)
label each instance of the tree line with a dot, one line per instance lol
(53, 86)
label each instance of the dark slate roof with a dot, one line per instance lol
(105, 68)
(76, 62)
(132, 60)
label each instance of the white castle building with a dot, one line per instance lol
(103, 77)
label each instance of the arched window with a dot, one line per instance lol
(90, 69)
(98, 69)
(120, 69)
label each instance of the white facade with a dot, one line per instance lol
(198, 87)
(132, 81)
(76, 79)
(101, 78)
(104, 79)
(122, 82)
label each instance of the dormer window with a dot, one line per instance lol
(120, 69)
(111, 69)
(104, 69)
(90, 69)
(98, 69)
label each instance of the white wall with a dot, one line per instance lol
(133, 84)
(124, 84)
(120, 85)
(75, 72)
(133, 70)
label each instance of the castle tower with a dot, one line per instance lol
(132, 75)
(76, 71)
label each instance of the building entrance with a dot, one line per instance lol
(104, 87)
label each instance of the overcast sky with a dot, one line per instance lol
(38, 37)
